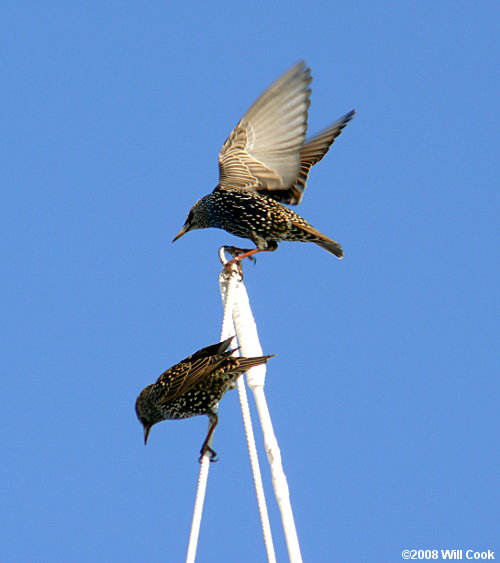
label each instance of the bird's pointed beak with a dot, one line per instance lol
(183, 231)
(146, 434)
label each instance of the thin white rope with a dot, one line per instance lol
(198, 509)
(238, 317)
(226, 332)
(228, 283)
(248, 338)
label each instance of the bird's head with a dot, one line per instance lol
(147, 427)
(146, 413)
(188, 225)
(199, 217)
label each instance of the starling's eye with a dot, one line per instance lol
(190, 217)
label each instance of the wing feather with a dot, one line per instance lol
(186, 375)
(193, 369)
(311, 153)
(263, 150)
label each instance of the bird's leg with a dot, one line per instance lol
(205, 447)
(271, 246)
(246, 254)
(235, 251)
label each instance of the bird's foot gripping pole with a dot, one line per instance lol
(237, 256)
(206, 447)
(211, 453)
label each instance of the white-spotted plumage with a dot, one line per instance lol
(192, 387)
(266, 161)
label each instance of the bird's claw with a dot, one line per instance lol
(213, 454)
(228, 268)
(236, 251)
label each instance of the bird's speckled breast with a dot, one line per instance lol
(198, 400)
(243, 213)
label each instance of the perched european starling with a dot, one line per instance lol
(265, 161)
(193, 386)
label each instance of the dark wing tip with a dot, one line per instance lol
(208, 351)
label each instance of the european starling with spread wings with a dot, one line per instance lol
(193, 386)
(264, 163)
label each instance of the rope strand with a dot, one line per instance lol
(226, 331)
(229, 283)
(238, 318)
(246, 331)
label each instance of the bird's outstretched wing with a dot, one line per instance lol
(311, 153)
(263, 150)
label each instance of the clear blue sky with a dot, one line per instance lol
(383, 393)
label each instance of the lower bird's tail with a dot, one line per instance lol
(247, 363)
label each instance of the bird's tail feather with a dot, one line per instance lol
(313, 235)
(246, 363)
(331, 246)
